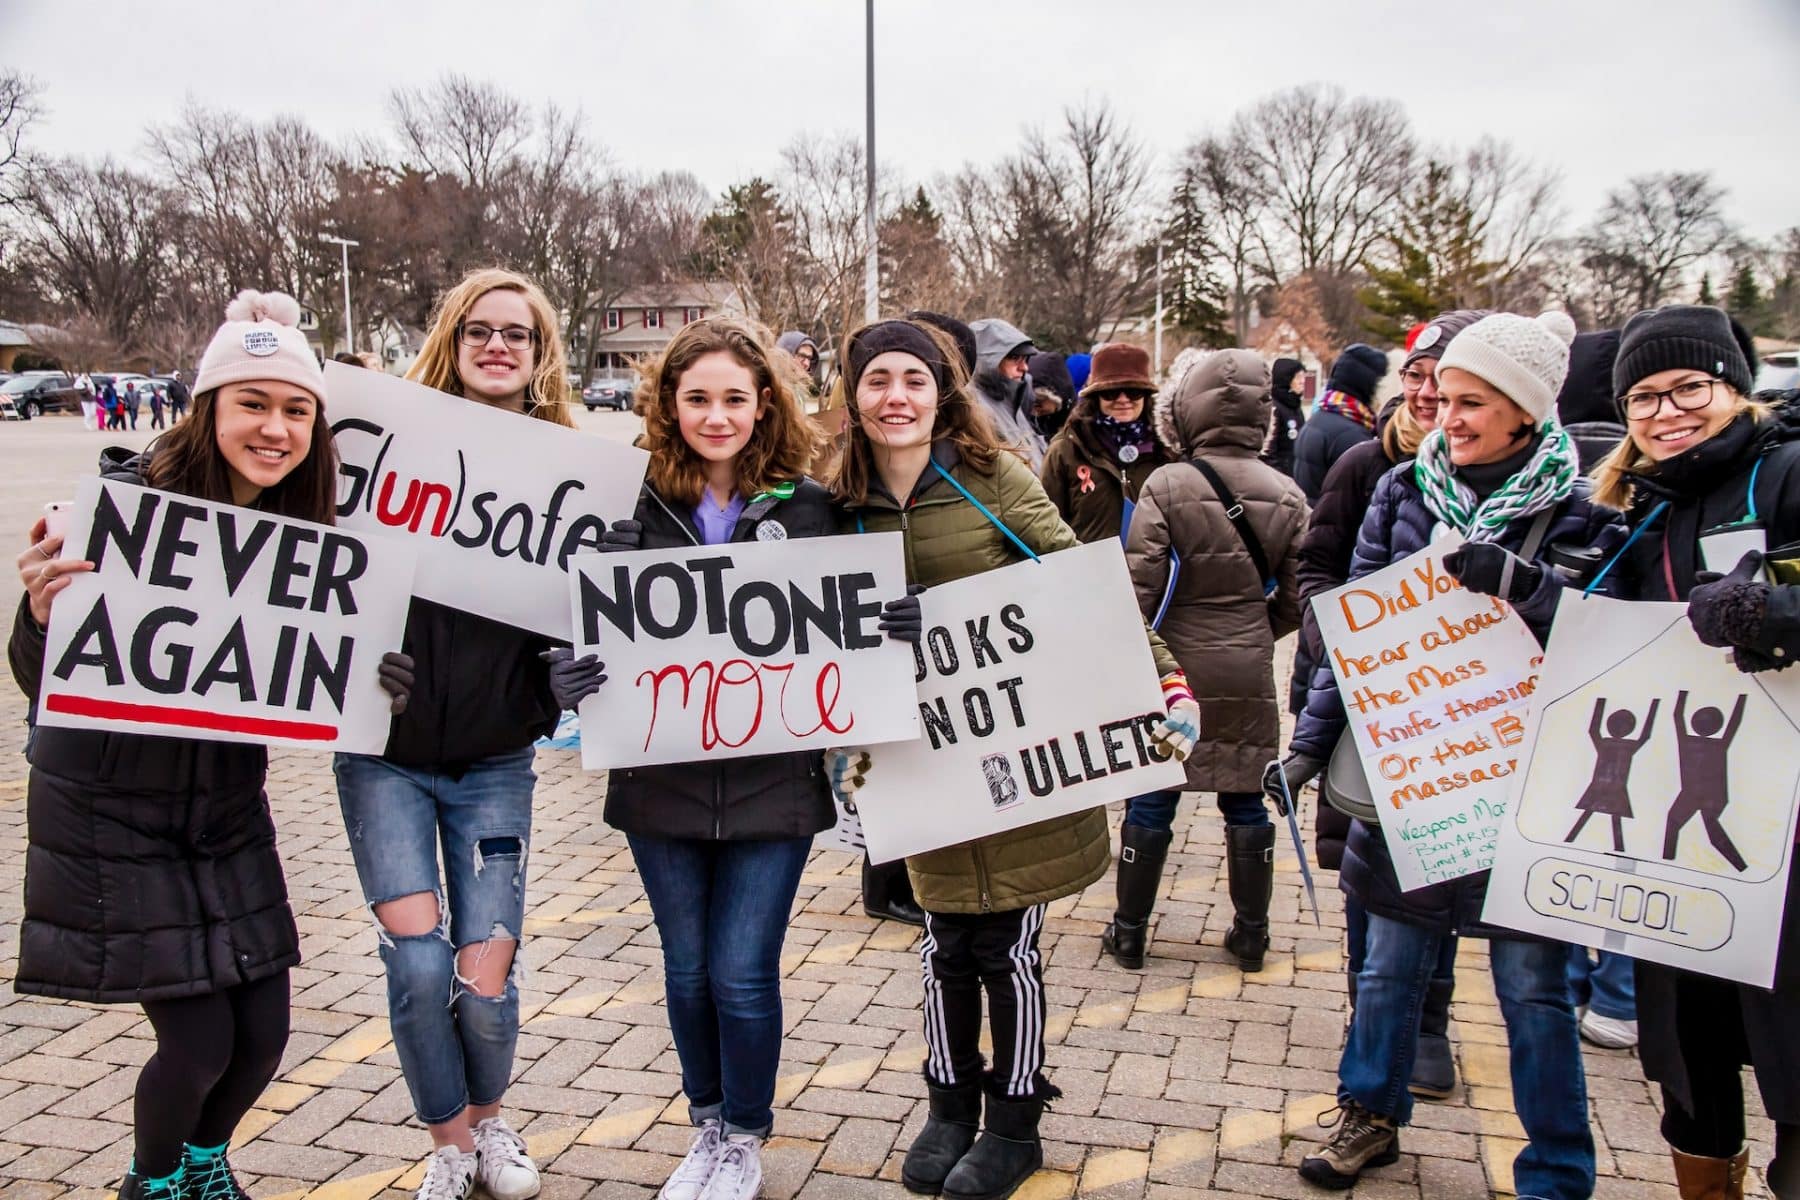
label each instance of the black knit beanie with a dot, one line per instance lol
(1698, 337)
(1282, 372)
(904, 336)
(1587, 394)
(1357, 370)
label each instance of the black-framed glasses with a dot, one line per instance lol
(1691, 396)
(1413, 379)
(477, 335)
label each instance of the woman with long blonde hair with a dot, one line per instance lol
(457, 771)
(1710, 480)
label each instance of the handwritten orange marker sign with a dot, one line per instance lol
(1436, 682)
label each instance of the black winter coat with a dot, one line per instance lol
(1326, 438)
(1706, 487)
(1285, 427)
(1398, 524)
(150, 863)
(760, 798)
(1325, 556)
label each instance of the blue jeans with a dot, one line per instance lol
(1356, 943)
(1549, 1087)
(1156, 810)
(1609, 987)
(722, 910)
(456, 1047)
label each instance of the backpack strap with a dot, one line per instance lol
(983, 510)
(1240, 521)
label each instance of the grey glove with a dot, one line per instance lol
(1300, 770)
(624, 535)
(572, 679)
(395, 675)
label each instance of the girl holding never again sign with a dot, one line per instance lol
(1702, 460)
(151, 875)
(457, 771)
(1497, 465)
(720, 844)
(922, 460)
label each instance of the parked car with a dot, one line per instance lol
(35, 393)
(1780, 371)
(610, 393)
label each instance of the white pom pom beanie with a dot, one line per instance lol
(1525, 358)
(260, 339)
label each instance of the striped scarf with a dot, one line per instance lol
(1543, 482)
(1346, 405)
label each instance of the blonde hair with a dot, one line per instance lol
(1613, 474)
(1401, 438)
(782, 444)
(547, 395)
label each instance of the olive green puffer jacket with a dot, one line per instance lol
(946, 539)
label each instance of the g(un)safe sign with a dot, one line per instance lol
(1654, 815)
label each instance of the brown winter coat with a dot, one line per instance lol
(946, 538)
(1092, 504)
(1218, 623)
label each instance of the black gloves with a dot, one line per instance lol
(624, 535)
(572, 679)
(1482, 567)
(1728, 610)
(396, 677)
(901, 619)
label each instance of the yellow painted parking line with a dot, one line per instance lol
(317, 1072)
(1248, 1128)
(620, 1128)
(1497, 1154)
(372, 1035)
(253, 1123)
(285, 1097)
(1111, 1015)
(1113, 1167)
(1047, 1185)
(789, 1086)
(1223, 984)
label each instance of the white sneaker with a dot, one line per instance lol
(1609, 1032)
(696, 1170)
(739, 1173)
(449, 1174)
(506, 1171)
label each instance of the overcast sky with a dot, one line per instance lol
(1599, 89)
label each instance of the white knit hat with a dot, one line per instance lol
(1525, 358)
(260, 339)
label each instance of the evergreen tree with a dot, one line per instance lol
(1434, 260)
(1745, 300)
(1707, 295)
(1194, 299)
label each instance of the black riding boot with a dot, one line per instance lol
(887, 893)
(1004, 1156)
(1434, 1068)
(1250, 863)
(1142, 853)
(949, 1132)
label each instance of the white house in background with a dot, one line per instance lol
(13, 340)
(643, 319)
(398, 345)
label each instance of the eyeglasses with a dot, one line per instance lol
(1691, 396)
(516, 337)
(1413, 379)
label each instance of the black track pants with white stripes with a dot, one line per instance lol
(962, 954)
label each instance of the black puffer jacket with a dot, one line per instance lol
(150, 863)
(728, 799)
(1398, 524)
(1327, 437)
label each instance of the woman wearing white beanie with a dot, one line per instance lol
(169, 837)
(1501, 472)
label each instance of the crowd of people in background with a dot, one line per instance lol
(1234, 503)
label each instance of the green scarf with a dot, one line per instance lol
(1543, 482)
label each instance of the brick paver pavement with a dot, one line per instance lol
(1186, 1080)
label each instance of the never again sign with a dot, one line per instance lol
(744, 648)
(1037, 694)
(210, 621)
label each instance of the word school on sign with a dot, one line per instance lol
(214, 618)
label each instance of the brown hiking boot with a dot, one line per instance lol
(1711, 1178)
(1362, 1140)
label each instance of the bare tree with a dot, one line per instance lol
(1220, 175)
(18, 109)
(974, 235)
(1331, 170)
(1517, 212)
(461, 127)
(1647, 236)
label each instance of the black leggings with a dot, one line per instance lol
(214, 1056)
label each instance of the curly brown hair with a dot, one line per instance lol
(783, 443)
(960, 419)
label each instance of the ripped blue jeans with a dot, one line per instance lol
(456, 1047)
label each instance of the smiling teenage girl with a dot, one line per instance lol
(151, 875)
(923, 460)
(458, 771)
(720, 844)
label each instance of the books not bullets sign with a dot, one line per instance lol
(745, 648)
(1036, 697)
(1436, 682)
(210, 621)
(496, 502)
(1654, 814)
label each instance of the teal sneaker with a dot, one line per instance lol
(137, 1187)
(209, 1176)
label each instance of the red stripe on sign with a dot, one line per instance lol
(187, 718)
